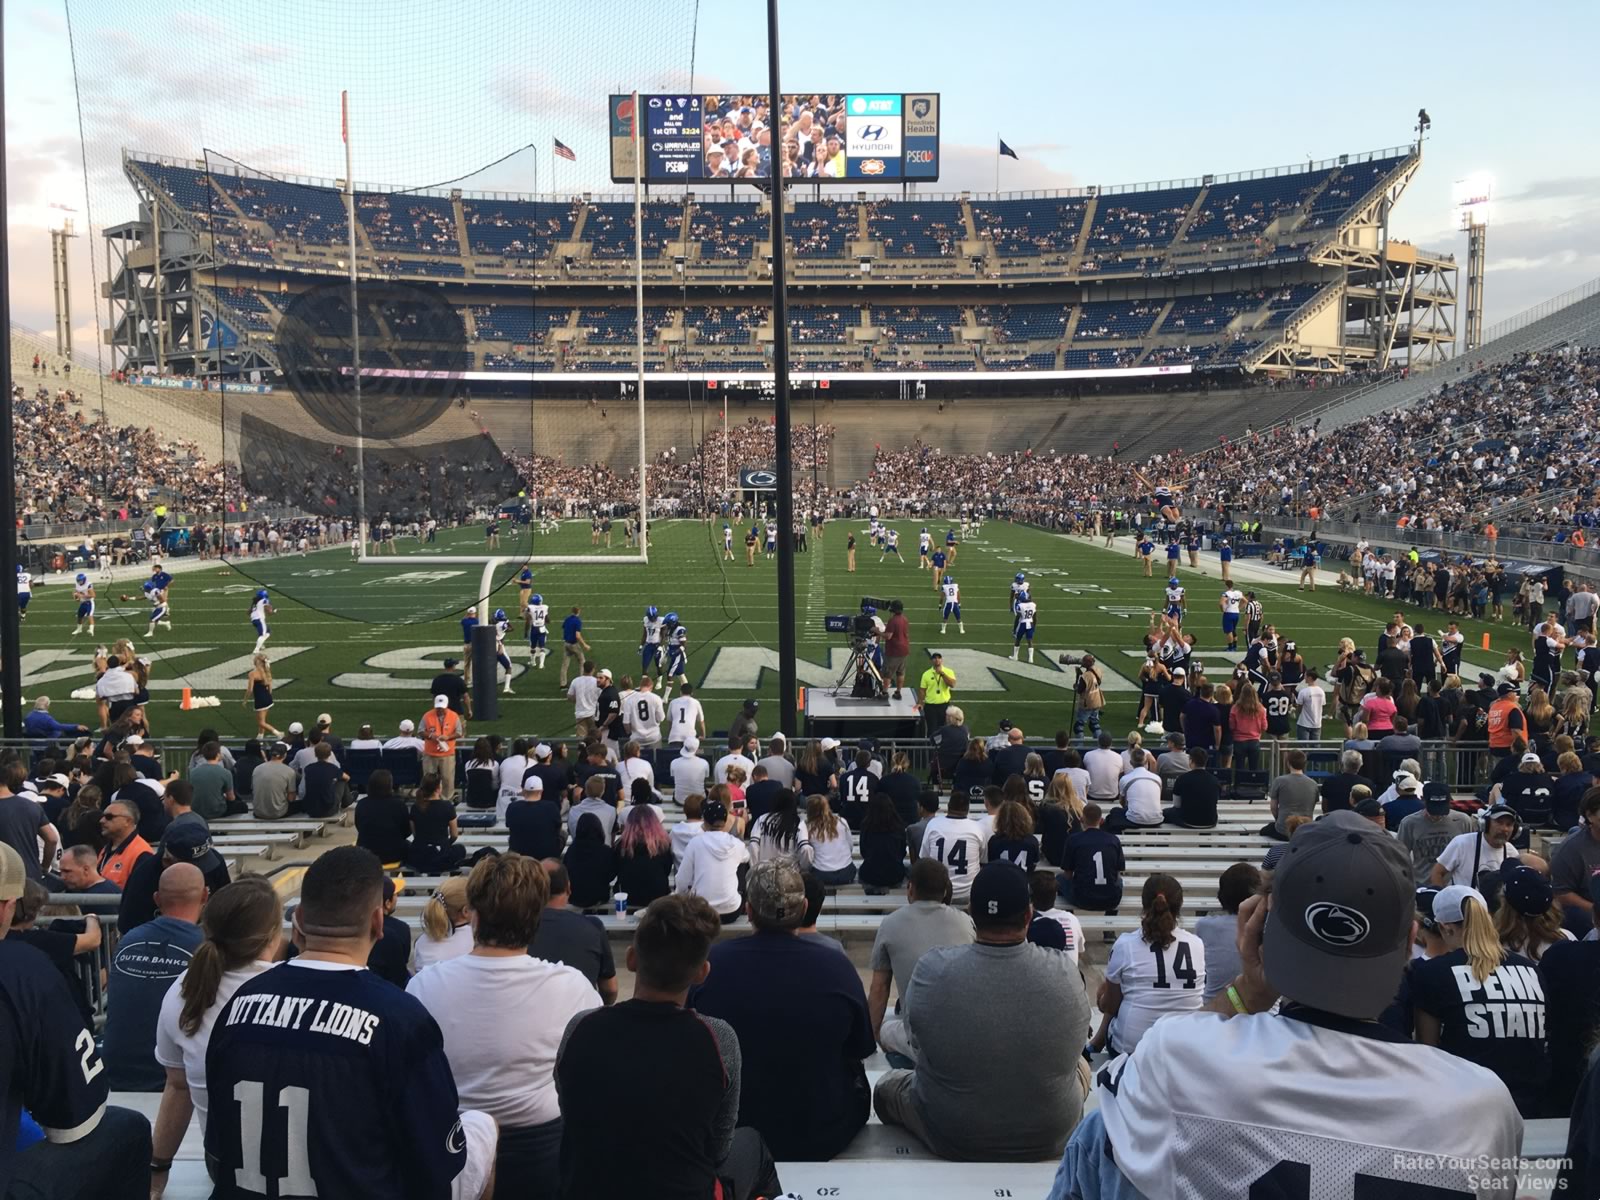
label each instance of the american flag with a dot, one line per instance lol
(564, 151)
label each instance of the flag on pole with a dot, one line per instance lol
(1007, 150)
(565, 151)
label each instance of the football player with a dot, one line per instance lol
(891, 544)
(1019, 588)
(727, 541)
(1027, 612)
(538, 623)
(158, 608)
(1229, 602)
(677, 653)
(952, 605)
(772, 539)
(260, 610)
(1176, 605)
(24, 591)
(924, 549)
(650, 641)
(83, 593)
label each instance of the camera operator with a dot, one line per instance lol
(933, 692)
(896, 648)
(1091, 699)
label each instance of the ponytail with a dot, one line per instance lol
(241, 922)
(436, 921)
(1479, 939)
(1163, 901)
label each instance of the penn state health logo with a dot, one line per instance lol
(1336, 924)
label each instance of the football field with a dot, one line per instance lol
(361, 641)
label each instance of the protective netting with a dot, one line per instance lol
(377, 384)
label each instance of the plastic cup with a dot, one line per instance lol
(620, 900)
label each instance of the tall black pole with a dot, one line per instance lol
(787, 647)
(10, 615)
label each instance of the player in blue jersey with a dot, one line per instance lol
(24, 590)
(1019, 588)
(650, 641)
(924, 549)
(502, 626)
(891, 544)
(538, 628)
(677, 640)
(727, 541)
(468, 624)
(1176, 605)
(1146, 549)
(158, 609)
(939, 560)
(1027, 613)
(327, 1080)
(952, 605)
(260, 610)
(83, 593)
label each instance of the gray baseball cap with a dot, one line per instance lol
(1339, 931)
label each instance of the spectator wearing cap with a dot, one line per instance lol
(1482, 1002)
(556, 777)
(185, 842)
(712, 863)
(1364, 806)
(1577, 862)
(690, 772)
(442, 727)
(383, 821)
(1425, 834)
(1407, 800)
(744, 725)
(934, 692)
(406, 738)
(652, 1045)
(1010, 759)
(1528, 790)
(1486, 848)
(1174, 698)
(364, 740)
(925, 921)
(450, 684)
(147, 960)
(1570, 973)
(1528, 919)
(1328, 949)
(1006, 1098)
(801, 1016)
(272, 785)
(608, 710)
(325, 728)
(534, 821)
(295, 739)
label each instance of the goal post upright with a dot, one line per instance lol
(638, 306)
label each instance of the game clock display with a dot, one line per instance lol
(817, 138)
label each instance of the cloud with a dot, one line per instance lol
(1585, 186)
(1040, 147)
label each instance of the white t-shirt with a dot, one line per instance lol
(630, 769)
(512, 768)
(832, 855)
(1104, 767)
(1154, 983)
(174, 1048)
(1080, 780)
(642, 714)
(1312, 700)
(685, 716)
(689, 775)
(1207, 1106)
(584, 692)
(428, 951)
(1458, 854)
(1071, 926)
(502, 1020)
(958, 843)
(731, 760)
(1142, 789)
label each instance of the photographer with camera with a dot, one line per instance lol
(934, 690)
(896, 648)
(1086, 687)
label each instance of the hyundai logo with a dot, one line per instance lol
(870, 133)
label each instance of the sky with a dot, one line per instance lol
(1086, 94)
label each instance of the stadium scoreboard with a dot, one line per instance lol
(836, 138)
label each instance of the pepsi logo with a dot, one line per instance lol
(1337, 925)
(872, 166)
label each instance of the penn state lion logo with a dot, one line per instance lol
(1336, 924)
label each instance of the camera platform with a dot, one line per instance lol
(834, 712)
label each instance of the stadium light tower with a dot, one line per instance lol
(60, 231)
(1472, 207)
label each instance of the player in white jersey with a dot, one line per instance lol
(83, 593)
(502, 626)
(1229, 602)
(891, 544)
(260, 610)
(1176, 606)
(874, 530)
(24, 591)
(952, 605)
(727, 541)
(1019, 584)
(1243, 1099)
(1022, 630)
(159, 613)
(924, 549)
(642, 714)
(772, 539)
(677, 639)
(650, 641)
(538, 625)
(685, 719)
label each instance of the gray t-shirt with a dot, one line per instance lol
(1575, 860)
(1220, 935)
(577, 940)
(1294, 794)
(212, 782)
(271, 786)
(1425, 839)
(779, 769)
(908, 933)
(999, 1032)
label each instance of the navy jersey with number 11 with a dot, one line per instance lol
(327, 1080)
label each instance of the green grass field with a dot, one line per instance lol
(362, 640)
